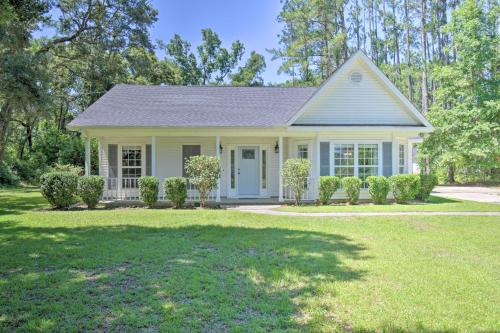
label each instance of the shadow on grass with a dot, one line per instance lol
(16, 200)
(193, 278)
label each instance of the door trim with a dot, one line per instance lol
(233, 193)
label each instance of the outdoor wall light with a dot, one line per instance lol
(220, 148)
(276, 148)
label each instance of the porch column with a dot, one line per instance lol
(217, 153)
(317, 171)
(87, 156)
(153, 156)
(280, 167)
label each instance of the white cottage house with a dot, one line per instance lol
(356, 123)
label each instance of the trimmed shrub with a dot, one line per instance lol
(328, 185)
(59, 188)
(203, 172)
(176, 190)
(352, 187)
(90, 189)
(378, 187)
(148, 188)
(427, 184)
(295, 172)
(404, 187)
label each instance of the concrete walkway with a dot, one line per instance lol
(473, 193)
(268, 210)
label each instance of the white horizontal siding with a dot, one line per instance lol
(341, 101)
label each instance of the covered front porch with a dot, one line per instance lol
(250, 165)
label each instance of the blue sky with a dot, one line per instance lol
(253, 22)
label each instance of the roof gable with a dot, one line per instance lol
(374, 100)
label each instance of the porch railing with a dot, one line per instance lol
(311, 189)
(127, 189)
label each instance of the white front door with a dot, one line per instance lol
(248, 171)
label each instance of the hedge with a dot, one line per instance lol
(378, 187)
(404, 187)
(352, 187)
(328, 185)
(427, 184)
(59, 188)
(90, 189)
(176, 190)
(148, 187)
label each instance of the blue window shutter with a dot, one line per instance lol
(148, 160)
(324, 158)
(387, 159)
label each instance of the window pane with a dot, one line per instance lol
(401, 158)
(131, 165)
(367, 161)
(302, 151)
(343, 160)
(248, 154)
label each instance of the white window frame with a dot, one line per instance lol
(402, 167)
(120, 160)
(298, 148)
(356, 162)
(371, 165)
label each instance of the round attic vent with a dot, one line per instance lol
(356, 77)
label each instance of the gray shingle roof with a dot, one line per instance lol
(194, 106)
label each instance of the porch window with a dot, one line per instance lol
(187, 152)
(131, 165)
(302, 152)
(233, 177)
(367, 161)
(343, 159)
(402, 158)
(264, 169)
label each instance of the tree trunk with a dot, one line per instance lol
(408, 50)
(425, 106)
(5, 118)
(451, 174)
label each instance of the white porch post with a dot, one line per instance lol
(280, 166)
(217, 153)
(153, 156)
(317, 170)
(87, 156)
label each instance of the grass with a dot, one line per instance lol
(188, 271)
(434, 204)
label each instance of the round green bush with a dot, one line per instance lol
(427, 184)
(404, 187)
(328, 185)
(176, 190)
(295, 172)
(204, 173)
(148, 187)
(90, 189)
(59, 188)
(352, 187)
(378, 187)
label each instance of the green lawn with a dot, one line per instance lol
(435, 204)
(143, 270)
